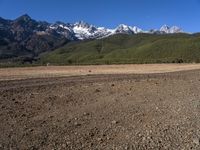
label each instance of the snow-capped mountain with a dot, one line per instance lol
(27, 37)
(29, 34)
(82, 30)
(75, 31)
(79, 30)
(168, 30)
(122, 28)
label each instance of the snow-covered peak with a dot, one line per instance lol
(170, 30)
(136, 30)
(82, 24)
(165, 28)
(84, 30)
(122, 28)
(175, 29)
(61, 26)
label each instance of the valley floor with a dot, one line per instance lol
(64, 71)
(118, 111)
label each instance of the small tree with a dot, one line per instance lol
(98, 48)
(69, 61)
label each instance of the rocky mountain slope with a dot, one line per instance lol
(27, 37)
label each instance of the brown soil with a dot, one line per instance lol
(104, 112)
(63, 71)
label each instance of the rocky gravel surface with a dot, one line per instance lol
(102, 112)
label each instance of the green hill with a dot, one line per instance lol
(140, 48)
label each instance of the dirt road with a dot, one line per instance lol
(63, 71)
(103, 112)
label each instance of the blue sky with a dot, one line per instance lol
(146, 14)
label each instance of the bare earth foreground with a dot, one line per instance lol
(100, 111)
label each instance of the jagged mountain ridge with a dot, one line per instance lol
(83, 31)
(77, 31)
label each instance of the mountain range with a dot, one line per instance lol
(27, 38)
(84, 31)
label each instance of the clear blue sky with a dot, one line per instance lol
(146, 14)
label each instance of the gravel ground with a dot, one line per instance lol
(102, 112)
